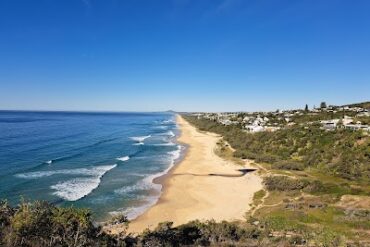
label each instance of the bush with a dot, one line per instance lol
(315, 186)
(42, 224)
(196, 233)
(267, 158)
(162, 235)
(289, 165)
(284, 183)
(257, 197)
(244, 154)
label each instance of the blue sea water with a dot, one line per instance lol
(103, 161)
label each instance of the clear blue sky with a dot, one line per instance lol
(186, 55)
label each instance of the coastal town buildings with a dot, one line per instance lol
(329, 118)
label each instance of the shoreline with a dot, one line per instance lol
(200, 185)
(161, 180)
(157, 179)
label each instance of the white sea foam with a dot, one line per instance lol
(170, 133)
(138, 174)
(165, 144)
(77, 188)
(124, 158)
(147, 184)
(145, 202)
(134, 212)
(140, 138)
(138, 143)
(49, 162)
(161, 127)
(93, 171)
(140, 186)
(169, 121)
(176, 153)
(166, 138)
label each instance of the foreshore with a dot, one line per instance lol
(202, 186)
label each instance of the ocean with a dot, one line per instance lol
(102, 161)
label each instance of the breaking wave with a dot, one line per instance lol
(124, 158)
(145, 184)
(140, 138)
(77, 188)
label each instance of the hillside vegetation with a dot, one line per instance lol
(365, 105)
(316, 182)
(40, 224)
(343, 153)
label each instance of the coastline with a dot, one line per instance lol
(201, 185)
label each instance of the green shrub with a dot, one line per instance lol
(341, 153)
(259, 195)
(244, 154)
(289, 165)
(315, 186)
(284, 183)
(42, 224)
(266, 158)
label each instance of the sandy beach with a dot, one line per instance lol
(202, 186)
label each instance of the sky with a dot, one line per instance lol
(183, 55)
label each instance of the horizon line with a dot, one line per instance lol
(160, 111)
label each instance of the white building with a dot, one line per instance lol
(246, 119)
(364, 114)
(347, 120)
(329, 124)
(254, 128)
(357, 127)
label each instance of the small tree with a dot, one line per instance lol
(306, 108)
(323, 104)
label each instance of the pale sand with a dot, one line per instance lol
(190, 193)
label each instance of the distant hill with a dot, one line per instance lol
(365, 105)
